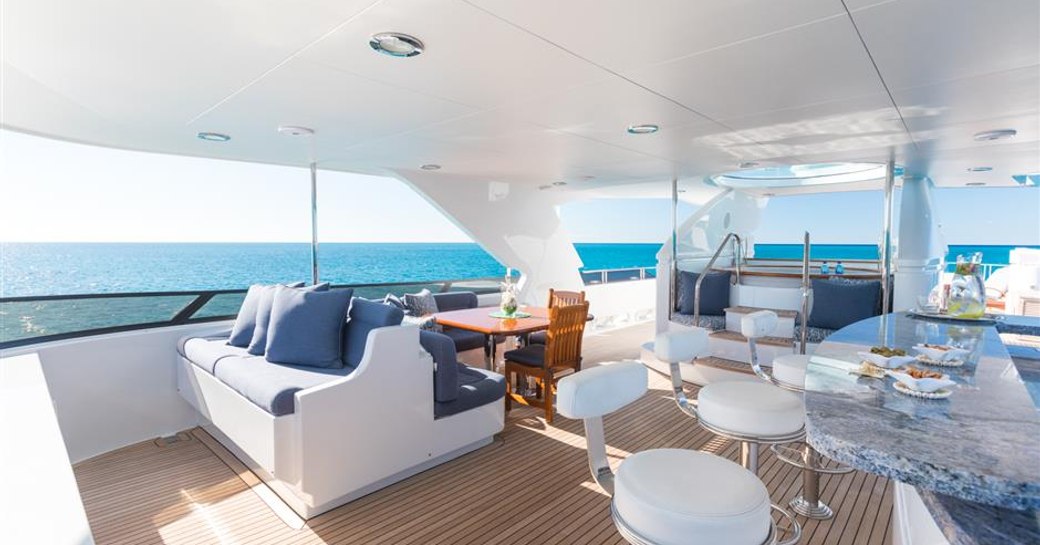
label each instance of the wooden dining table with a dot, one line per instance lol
(480, 320)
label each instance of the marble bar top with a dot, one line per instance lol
(980, 445)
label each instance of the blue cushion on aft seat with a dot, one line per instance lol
(271, 386)
(245, 322)
(714, 292)
(307, 327)
(455, 300)
(445, 375)
(464, 339)
(477, 387)
(532, 355)
(365, 316)
(838, 303)
(205, 353)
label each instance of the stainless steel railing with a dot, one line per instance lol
(735, 238)
(607, 276)
(804, 319)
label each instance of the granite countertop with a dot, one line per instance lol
(981, 445)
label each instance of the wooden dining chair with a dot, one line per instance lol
(544, 363)
(556, 299)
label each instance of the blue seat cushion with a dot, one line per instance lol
(714, 292)
(838, 303)
(445, 372)
(538, 337)
(477, 387)
(365, 316)
(464, 339)
(532, 355)
(455, 300)
(307, 327)
(205, 353)
(271, 386)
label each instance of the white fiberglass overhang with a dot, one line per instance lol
(798, 176)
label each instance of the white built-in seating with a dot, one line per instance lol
(665, 496)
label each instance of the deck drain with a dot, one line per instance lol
(171, 439)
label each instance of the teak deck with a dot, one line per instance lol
(184, 493)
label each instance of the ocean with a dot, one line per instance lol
(28, 269)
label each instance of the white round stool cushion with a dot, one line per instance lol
(751, 408)
(790, 369)
(676, 496)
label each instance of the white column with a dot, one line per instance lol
(920, 252)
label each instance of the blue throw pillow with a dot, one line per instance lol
(714, 292)
(245, 322)
(258, 342)
(838, 303)
(307, 327)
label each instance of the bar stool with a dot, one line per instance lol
(789, 373)
(668, 496)
(752, 413)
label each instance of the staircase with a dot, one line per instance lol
(729, 344)
(730, 357)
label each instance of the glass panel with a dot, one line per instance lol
(222, 304)
(24, 320)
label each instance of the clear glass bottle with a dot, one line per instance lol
(825, 268)
(839, 268)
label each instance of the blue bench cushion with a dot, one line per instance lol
(714, 292)
(838, 303)
(464, 340)
(365, 316)
(271, 386)
(477, 387)
(707, 321)
(455, 300)
(205, 353)
(532, 355)
(445, 373)
(815, 335)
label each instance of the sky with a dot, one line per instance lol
(52, 191)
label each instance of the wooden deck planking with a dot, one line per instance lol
(532, 485)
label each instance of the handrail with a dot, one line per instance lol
(700, 278)
(805, 295)
(604, 274)
(186, 314)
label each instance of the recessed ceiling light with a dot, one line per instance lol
(396, 44)
(544, 187)
(980, 169)
(643, 129)
(680, 190)
(430, 166)
(975, 184)
(213, 137)
(586, 177)
(749, 164)
(999, 134)
(769, 194)
(293, 130)
(559, 183)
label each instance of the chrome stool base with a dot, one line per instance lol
(819, 511)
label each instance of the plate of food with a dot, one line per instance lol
(922, 381)
(886, 358)
(940, 354)
(941, 393)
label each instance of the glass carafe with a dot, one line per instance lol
(967, 290)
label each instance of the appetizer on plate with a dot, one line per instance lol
(887, 358)
(922, 380)
(940, 352)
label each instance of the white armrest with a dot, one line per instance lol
(601, 390)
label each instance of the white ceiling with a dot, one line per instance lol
(539, 90)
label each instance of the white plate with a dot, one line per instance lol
(925, 385)
(939, 363)
(891, 362)
(942, 393)
(941, 354)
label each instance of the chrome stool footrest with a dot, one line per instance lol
(775, 530)
(797, 455)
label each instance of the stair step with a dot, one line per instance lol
(734, 336)
(749, 310)
(723, 363)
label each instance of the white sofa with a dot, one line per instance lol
(347, 436)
